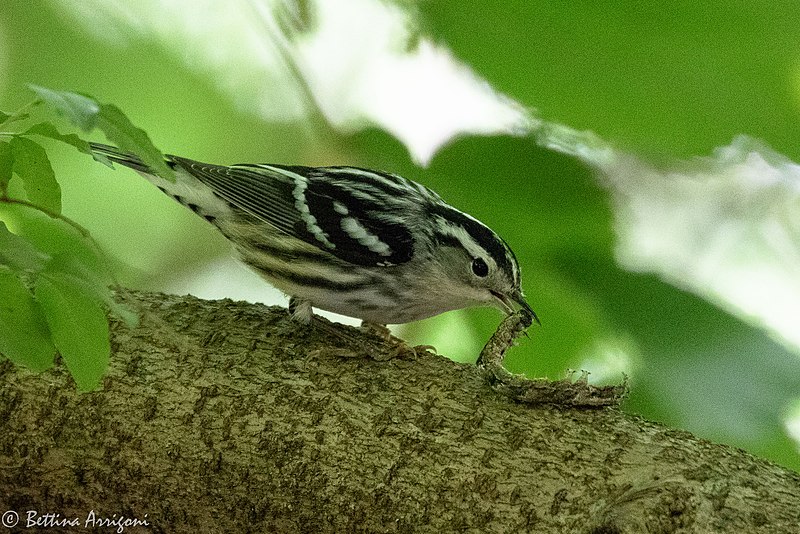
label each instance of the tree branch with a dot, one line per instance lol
(227, 417)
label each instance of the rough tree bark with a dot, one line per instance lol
(225, 417)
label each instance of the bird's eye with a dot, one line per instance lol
(479, 267)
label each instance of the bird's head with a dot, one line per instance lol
(480, 267)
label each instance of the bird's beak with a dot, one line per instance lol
(507, 303)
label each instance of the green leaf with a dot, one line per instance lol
(87, 113)
(81, 110)
(18, 253)
(569, 63)
(47, 129)
(6, 166)
(78, 325)
(7, 118)
(119, 130)
(32, 165)
(94, 283)
(24, 336)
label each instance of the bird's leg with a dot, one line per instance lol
(400, 346)
(301, 313)
(380, 330)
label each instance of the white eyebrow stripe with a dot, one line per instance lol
(463, 237)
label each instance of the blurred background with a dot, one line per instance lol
(639, 160)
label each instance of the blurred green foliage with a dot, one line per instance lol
(666, 81)
(679, 78)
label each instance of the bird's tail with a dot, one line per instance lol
(116, 155)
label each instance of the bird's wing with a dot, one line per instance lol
(350, 213)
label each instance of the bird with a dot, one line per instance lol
(366, 244)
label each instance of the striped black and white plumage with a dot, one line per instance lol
(357, 242)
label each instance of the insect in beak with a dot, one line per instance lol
(507, 303)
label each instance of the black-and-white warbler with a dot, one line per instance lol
(361, 243)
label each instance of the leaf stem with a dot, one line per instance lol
(17, 115)
(50, 213)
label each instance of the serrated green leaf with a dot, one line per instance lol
(47, 129)
(24, 335)
(78, 326)
(119, 130)
(19, 254)
(68, 264)
(32, 165)
(6, 166)
(94, 283)
(87, 113)
(79, 109)
(4, 117)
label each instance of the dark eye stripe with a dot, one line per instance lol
(482, 235)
